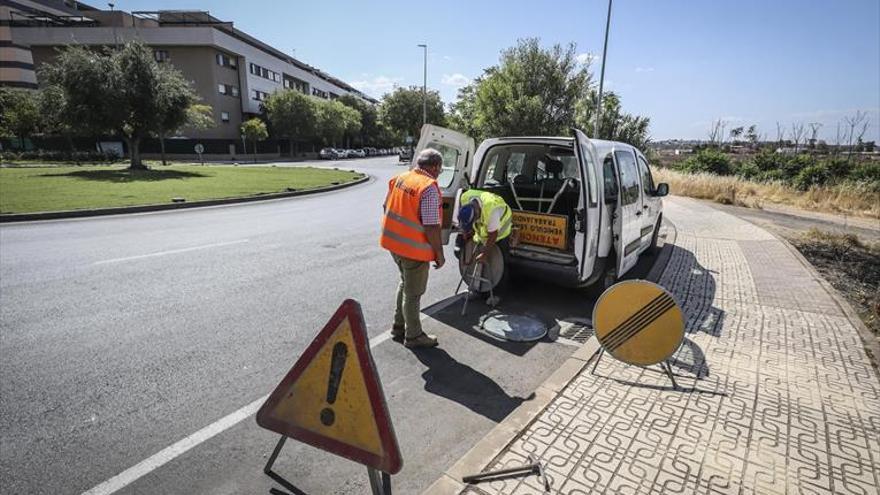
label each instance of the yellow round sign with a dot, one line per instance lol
(638, 322)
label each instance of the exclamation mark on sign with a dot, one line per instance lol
(337, 364)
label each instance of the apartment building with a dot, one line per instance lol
(231, 70)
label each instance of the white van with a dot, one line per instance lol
(584, 209)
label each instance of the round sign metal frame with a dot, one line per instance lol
(663, 299)
(493, 268)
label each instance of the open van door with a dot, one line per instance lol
(587, 231)
(628, 224)
(458, 152)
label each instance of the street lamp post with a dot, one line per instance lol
(602, 75)
(425, 87)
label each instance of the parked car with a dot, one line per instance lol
(405, 154)
(328, 154)
(358, 153)
(583, 209)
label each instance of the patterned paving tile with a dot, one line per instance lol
(782, 398)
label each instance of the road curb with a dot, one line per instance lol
(54, 215)
(510, 428)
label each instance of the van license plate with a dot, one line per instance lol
(541, 229)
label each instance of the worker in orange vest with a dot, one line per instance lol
(411, 231)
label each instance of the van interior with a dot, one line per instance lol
(539, 178)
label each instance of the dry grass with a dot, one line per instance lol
(848, 198)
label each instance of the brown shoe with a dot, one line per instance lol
(423, 340)
(397, 334)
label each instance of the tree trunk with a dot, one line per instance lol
(255, 151)
(162, 148)
(134, 149)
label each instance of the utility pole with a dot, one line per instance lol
(425, 87)
(602, 75)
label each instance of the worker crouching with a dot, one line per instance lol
(486, 219)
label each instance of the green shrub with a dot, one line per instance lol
(817, 174)
(708, 160)
(865, 172)
(770, 176)
(747, 170)
(768, 160)
(60, 156)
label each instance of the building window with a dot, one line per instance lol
(265, 73)
(260, 95)
(227, 89)
(161, 55)
(224, 116)
(321, 94)
(226, 60)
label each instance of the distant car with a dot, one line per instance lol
(405, 155)
(359, 153)
(328, 154)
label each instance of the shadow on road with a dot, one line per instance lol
(125, 175)
(459, 382)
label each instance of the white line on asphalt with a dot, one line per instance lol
(172, 251)
(168, 454)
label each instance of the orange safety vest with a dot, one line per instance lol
(402, 230)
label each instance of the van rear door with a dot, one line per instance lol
(629, 202)
(458, 152)
(586, 235)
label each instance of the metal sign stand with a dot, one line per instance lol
(268, 468)
(380, 481)
(664, 365)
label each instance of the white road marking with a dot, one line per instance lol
(172, 251)
(168, 454)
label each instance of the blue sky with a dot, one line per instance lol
(682, 63)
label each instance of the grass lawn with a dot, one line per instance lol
(24, 190)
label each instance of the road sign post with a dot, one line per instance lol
(199, 149)
(639, 323)
(332, 399)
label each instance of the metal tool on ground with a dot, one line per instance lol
(332, 399)
(533, 467)
(639, 323)
(477, 280)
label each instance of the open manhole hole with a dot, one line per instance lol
(513, 327)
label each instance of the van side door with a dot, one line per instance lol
(588, 217)
(629, 210)
(458, 152)
(650, 202)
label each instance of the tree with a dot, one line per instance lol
(616, 125)
(857, 124)
(752, 135)
(335, 120)
(370, 130)
(532, 91)
(123, 91)
(401, 111)
(797, 132)
(19, 113)
(254, 130)
(176, 107)
(735, 134)
(292, 115)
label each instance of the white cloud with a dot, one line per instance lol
(457, 80)
(447, 57)
(644, 69)
(378, 85)
(585, 58)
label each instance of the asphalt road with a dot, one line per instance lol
(120, 336)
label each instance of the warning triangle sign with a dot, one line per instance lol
(332, 398)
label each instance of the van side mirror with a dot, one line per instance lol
(661, 190)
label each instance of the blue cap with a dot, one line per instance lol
(466, 216)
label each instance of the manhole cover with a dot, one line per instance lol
(516, 328)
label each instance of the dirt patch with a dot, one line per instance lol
(851, 265)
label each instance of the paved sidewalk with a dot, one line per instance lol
(779, 395)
